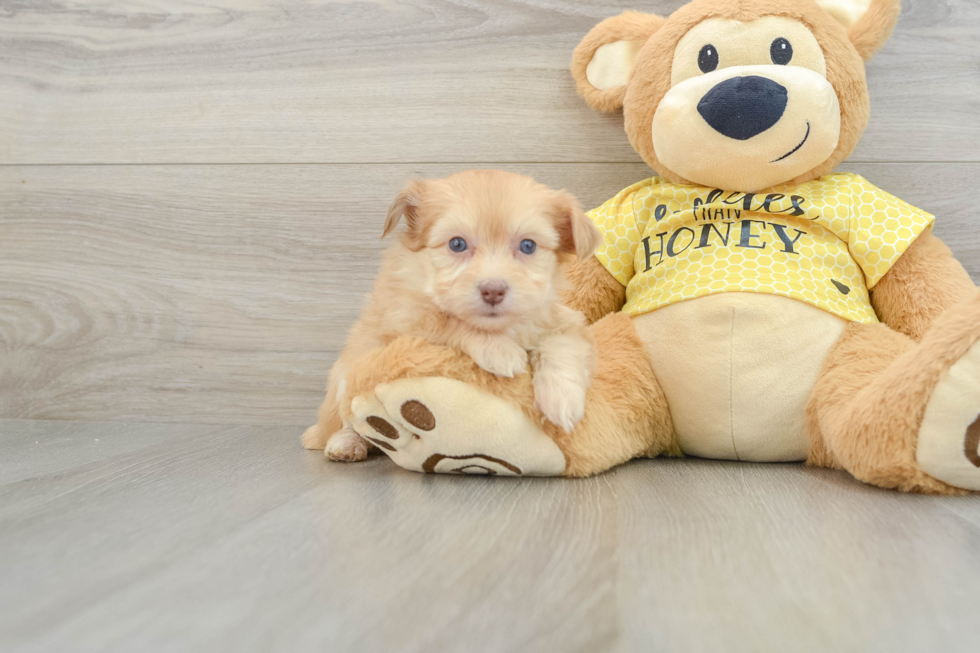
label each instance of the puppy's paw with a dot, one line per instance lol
(560, 399)
(346, 446)
(501, 356)
(315, 438)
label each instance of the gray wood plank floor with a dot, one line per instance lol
(133, 537)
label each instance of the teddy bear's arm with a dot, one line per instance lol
(593, 290)
(924, 282)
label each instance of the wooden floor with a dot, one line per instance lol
(191, 199)
(140, 537)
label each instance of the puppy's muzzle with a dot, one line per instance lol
(493, 292)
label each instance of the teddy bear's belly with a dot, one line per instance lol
(737, 370)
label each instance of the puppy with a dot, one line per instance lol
(478, 268)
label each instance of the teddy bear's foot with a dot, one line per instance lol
(949, 437)
(440, 425)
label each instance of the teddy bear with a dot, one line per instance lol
(747, 303)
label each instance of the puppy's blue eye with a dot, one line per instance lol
(457, 245)
(528, 246)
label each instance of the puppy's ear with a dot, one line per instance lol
(869, 23)
(577, 232)
(406, 204)
(603, 61)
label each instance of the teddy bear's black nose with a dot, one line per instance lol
(743, 107)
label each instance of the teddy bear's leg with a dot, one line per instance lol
(438, 424)
(437, 411)
(903, 414)
(626, 411)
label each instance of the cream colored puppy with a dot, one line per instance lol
(478, 268)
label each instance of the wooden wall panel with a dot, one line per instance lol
(288, 81)
(221, 294)
(191, 193)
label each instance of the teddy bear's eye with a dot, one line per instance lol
(708, 59)
(781, 52)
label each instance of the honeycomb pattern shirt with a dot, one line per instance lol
(826, 242)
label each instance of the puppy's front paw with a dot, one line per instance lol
(561, 400)
(346, 446)
(501, 356)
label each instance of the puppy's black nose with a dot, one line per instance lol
(743, 107)
(493, 292)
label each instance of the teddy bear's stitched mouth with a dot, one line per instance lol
(797, 148)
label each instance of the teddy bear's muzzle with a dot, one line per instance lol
(747, 128)
(744, 107)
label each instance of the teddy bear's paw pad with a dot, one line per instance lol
(949, 438)
(440, 425)
(371, 422)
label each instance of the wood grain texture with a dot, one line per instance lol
(130, 537)
(222, 294)
(262, 81)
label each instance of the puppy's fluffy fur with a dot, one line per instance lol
(463, 275)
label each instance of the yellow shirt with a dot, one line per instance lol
(826, 242)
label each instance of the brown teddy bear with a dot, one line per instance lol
(748, 303)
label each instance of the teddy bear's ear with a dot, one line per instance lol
(603, 61)
(869, 23)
